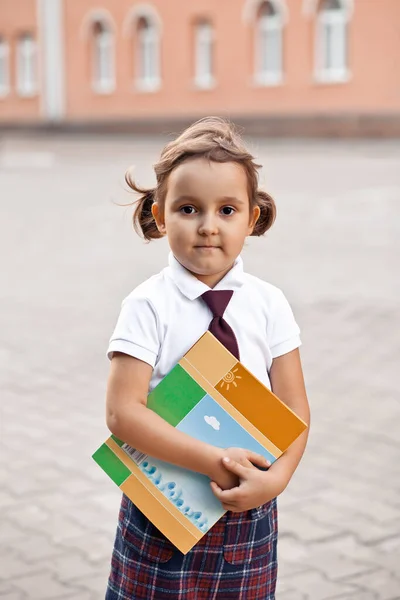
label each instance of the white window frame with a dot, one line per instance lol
(269, 38)
(4, 67)
(27, 67)
(331, 61)
(103, 58)
(147, 56)
(204, 55)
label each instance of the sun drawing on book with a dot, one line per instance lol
(230, 379)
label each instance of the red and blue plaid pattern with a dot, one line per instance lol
(235, 560)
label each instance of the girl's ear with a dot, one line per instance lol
(158, 216)
(254, 216)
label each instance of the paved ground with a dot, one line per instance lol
(69, 257)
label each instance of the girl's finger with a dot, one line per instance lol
(232, 496)
(234, 466)
(215, 488)
(223, 495)
(257, 459)
(231, 507)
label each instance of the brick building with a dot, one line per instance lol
(281, 66)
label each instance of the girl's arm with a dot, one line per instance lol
(287, 382)
(129, 419)
(257, 487)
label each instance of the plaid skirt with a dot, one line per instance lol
(235, 560)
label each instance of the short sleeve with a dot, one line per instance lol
(136, 332)
(285, 335)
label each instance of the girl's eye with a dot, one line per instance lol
(228, 210)
(187, 210)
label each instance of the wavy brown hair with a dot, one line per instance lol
(217, 140)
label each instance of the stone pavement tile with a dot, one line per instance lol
(55, 500)
(79, 486)
(316, 587)
(361, 489)
(304, 484)
(283, 587)
(385, 555)
(6, 500)
(34, 519)
(12, 566)
(390, 561)
(359, 596)
(35, 548)
(46, 455)
(287, 568)
(97, 519)
(290, 549)
(71, 566)
(4, 472)
(43, 586)
(96, 583)
(60, 528)
(370, 507)
(108, 499)
(24, 485)
(306, 529)
(368, 532)
(95, 547)
(322, 512)
(49, 474)
(81, 595)
(10, 532)
(381, 582)
(290, 595)
(297, 496)
(391, 545)
(28, 516)
(8, 591)
(92, 472)
(335, 566)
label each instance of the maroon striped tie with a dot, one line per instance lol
(217, 301)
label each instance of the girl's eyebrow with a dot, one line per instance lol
(223, 199)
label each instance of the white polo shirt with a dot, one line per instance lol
(164, 316)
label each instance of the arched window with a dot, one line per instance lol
(332, 42)
(27, 84)
(147, 51)
(103, 75)
(4, 67)
(204, 54)
(269, 44)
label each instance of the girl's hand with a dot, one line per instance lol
(255, 487)
(227, 479)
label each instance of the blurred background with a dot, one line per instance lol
(88, 89)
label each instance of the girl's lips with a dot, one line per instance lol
(207, 247)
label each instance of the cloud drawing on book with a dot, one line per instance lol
(213, 422)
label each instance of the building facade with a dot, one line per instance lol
(293, 66)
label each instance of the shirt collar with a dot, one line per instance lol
(192, 288)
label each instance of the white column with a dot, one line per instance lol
(52, 57)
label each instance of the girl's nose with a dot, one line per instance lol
(208, 226)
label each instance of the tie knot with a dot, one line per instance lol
(217, 301)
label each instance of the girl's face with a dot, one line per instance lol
(206, 216)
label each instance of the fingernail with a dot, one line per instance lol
(226, 459)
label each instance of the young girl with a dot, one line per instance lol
(206, 201)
